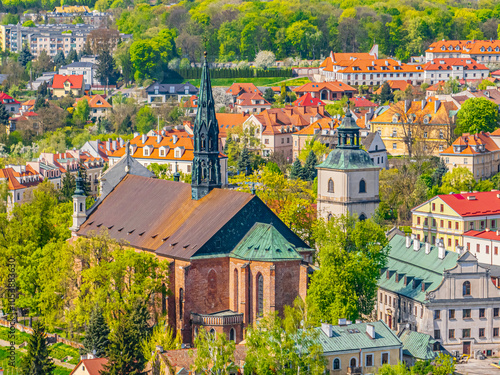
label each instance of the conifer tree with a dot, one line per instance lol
(68, 186)
(72, 56)
(124, 354)
(37, 360)
(86, 182)
(229, 140)
(244, 163)
(309, 170)
(25, 56)
(4, 115)
(296, 171)
(59, 58)
(139, 318)
(386, 94)
(96, 339)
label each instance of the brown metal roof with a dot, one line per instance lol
(160, 216)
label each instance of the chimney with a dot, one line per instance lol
(113, 144)
(408, 241)
(121, 142)
(424, 102)
(136, 134)
(416, 244)
(108, 144)
(144, 138)
(358, 321)
(370, 330)
(174, 139)
(441, 250)
(459, 250)
(327, 329)
(158, 138)
(427, 247)
(342, 322)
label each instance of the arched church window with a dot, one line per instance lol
(330, 186)
(232, 335)
(181, 303)
(362, 217)
(260, 295)
(235, 307)
(362, 186)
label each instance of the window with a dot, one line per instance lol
(232, 335)
(362, 186)
(466, 288)
(456, 225)
(449, 224)
(481, 313)
(466, 313)
(181, 303)
(495, 332)
(418, 220)
(336, 364)
(260, 295)
(330, 186)
(442, 208)
(451, 333)
(235, 307)
(496, 250)
(426, 221)
(433, 222)
(433, 206)
(394, 146)
(466, 333)
(369, 360)
(385, 358)
(441, 223)
(266, 141)
(437, 334)
(437, 314)
(496, 312)
(449, 242)
(481, 332)
(452, 314)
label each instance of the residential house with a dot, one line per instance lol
(20, 180)
(483, 51)
(62, 85)
(11, 105)
(446, 217)
(418, 346)
(492, 94)
(251, 103)
(47, 171)
(435, 89)
(428, 124)
(322, 130)
(102, 149)
(307, 100)
(229, 123)
(326, 90)
(45, 78)
(484, 245)
(328, 67)
(237, 89)
(160, 93)
(444, 69)
(92, 366)
(375, 147)
(446, 295)
(359, 348)
(174, 148)
(479, 153)
(26, 123)
(394, 85)
(274, 127)
(99, 107)
(28, 105)
(86, 69)
(375, 72)
(191, 106)
(362, 103)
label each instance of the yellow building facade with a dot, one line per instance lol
(447, 217)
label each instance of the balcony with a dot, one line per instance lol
(355, 370)
(221, 318)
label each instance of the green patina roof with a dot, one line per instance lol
(347, 159)
(417, 345)
(265, 242)
(354, 337)
(417, 265)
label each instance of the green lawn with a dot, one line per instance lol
(8, 370)
(61, 351)
(297, 81)
(19, 336)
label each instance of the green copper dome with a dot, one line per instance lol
(347, 159)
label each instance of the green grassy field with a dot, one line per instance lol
(9, 370)
(61, 351)
(20, 337)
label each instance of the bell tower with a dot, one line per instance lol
(79, 209)
(206, 173)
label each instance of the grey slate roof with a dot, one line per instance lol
(354, 337)
(164, 88)
(78, 64)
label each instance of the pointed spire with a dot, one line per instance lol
(79, 183)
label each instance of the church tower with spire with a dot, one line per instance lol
(348, 180)
(79, 209)
(206, 174)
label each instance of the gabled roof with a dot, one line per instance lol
(473, 204)
(166, 220)
(443, 114)
(240, 88)
(20, 177)
(417, 345)
(7, 99)
(353, 337)
(449, 63)
(318, 126)
(466, 142)
(394, 85)
(95, 101)
(76, 81)
(165, 88)
(417, 266)
(246, 99)
(92, 366)
(230, 122)
(363, 102)
(333, 86)
(308, 100)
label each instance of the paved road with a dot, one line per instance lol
(478, 367)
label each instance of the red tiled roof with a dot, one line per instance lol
(485, 234)
(92, 366)
(484, 203)
(95, 101)
(334, 86)
(363, 102)
(449, 63)
(394, 85)
(246, 98)
(239, 88)
(307, 100)
(4, 97)
(76, 81)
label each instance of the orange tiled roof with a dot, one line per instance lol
(324, 123)
(76, 81)
(473, 47)
(374, 66)
(466, 142)
(238, 88)
(191, 102)
(246, 99)
(20, 180)
(336, 57)
(288, 119)
(230, 121)
(95, 101)
(307, 100)
(449, 63)
(441, 116)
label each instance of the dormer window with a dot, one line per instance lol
(178, 152)
(426, 120)
(395, 118)
(163, 151)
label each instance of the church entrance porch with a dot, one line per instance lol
(227, 322)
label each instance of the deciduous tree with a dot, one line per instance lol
(214, 353)
(477, 115)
